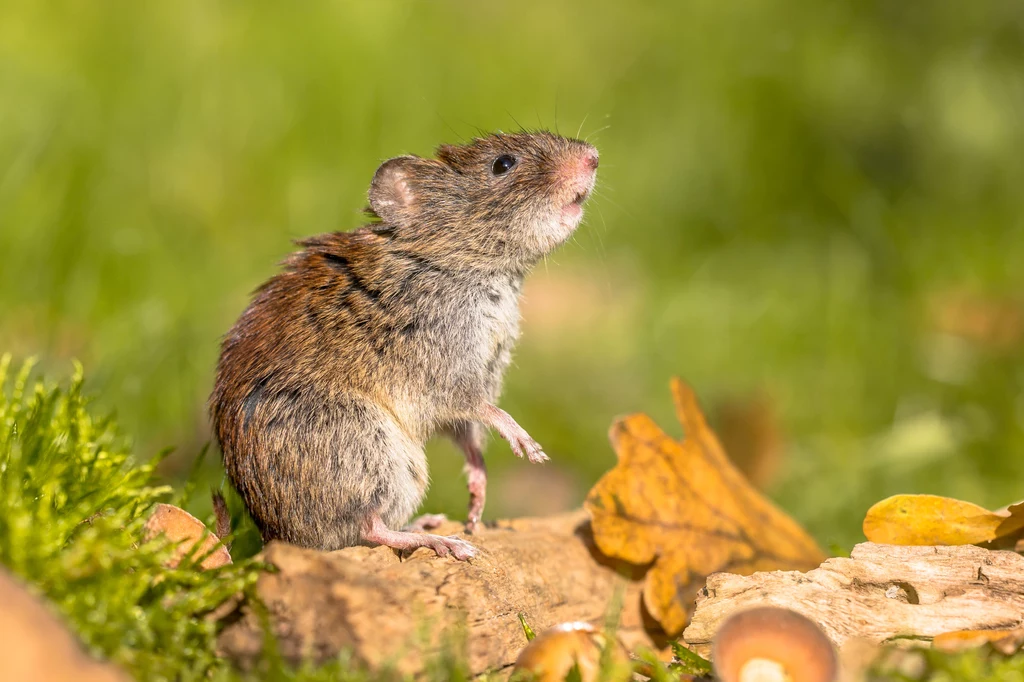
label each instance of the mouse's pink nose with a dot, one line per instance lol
(592, 160)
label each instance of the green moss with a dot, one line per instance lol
(72, 506)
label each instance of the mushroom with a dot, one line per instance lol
(552, 654)
(769, 644)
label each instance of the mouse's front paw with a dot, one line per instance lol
(529, 448)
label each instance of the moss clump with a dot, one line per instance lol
(72, 505)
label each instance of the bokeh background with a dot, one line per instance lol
(812, 211)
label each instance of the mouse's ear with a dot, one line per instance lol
(392, 196)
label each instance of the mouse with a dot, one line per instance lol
(369, 342)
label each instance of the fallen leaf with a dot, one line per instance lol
(685, 507)
(1006, 642)
(554, 654)
(1013, 522)
(996, 323)
(935, 520)
(185, 530)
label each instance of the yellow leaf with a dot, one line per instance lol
(935, 520)
(1013, 523)
(685, 507)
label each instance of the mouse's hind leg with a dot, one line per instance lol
(469, 436)
(376, 531)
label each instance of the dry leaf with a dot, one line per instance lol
(185, 530)
(555, 652)
(935, 520)
(685, 507)
(996, 323)
(1006, 642)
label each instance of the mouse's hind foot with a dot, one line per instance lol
(379, 534)
(424, 523)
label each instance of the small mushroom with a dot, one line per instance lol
(552, 653)
(769, 644)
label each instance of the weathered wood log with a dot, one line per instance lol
(388, 610)
(881, 592)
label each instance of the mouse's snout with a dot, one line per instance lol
(576, 181)
(583, 162)
(581, 172)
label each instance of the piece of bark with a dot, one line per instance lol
(35, 646)
(881, 592)
(392, 611)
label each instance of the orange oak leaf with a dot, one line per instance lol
(685, 507)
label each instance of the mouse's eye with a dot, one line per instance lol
(503, 164)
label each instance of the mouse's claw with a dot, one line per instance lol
(536, 455)
(518, 439)
(528, 448)
(460, 549)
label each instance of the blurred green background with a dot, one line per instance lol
(813, 212)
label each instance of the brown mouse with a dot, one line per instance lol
(370, 341)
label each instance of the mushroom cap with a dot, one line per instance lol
(769, 643)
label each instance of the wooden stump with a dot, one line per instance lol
(388, 610)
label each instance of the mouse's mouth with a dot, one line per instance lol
(573, 210)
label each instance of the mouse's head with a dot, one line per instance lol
(498, 203)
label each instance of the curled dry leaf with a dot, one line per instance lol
(551, 655)
(1006, 642)
(185, 531)
(685, 507)
(935, 520)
